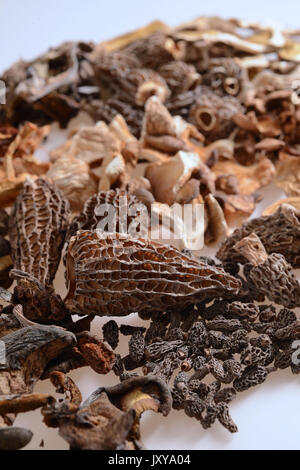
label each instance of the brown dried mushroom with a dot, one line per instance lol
(117, 276)
(109, 418)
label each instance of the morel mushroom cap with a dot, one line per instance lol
(113, 275)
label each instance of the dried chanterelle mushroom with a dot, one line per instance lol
(204, 114)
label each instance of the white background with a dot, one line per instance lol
(267, 417)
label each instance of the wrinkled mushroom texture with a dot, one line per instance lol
(271, 274)
(8, 324)
(213, 114)
(117, 276)
(97, 354)
(37, 228)
(169, 177)
(278, 232)
(95, 213)
(179, 75)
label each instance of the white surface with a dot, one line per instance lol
(267, 417)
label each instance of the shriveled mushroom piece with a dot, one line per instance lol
(23, 403)
(250, 178)
(41, 88)
(236, 208)
(74, 179)
(271, 274)
(90, 144)
(39, 303)
(163, 133)
(116, 168)
(179, 75)
(8, 323)
(217, 228)
(288, 174)
(98, 355)
(27, 352)
(106, 154)
(169, 177)
(157, 120)
(109, 418)
(19, 162)
(224, 76)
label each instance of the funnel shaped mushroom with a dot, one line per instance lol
(110, 275)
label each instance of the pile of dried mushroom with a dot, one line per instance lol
(206, 113)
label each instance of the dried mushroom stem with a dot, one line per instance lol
(205, 118)
(151, 88)
(252, 249)
(231, 86)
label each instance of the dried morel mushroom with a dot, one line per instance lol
(204, 322)
(213, 114)
(154, 50)
(278, 232)
(111, 211)
(271, 274)
(37, 228)
(111, 275)
(224, 75)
